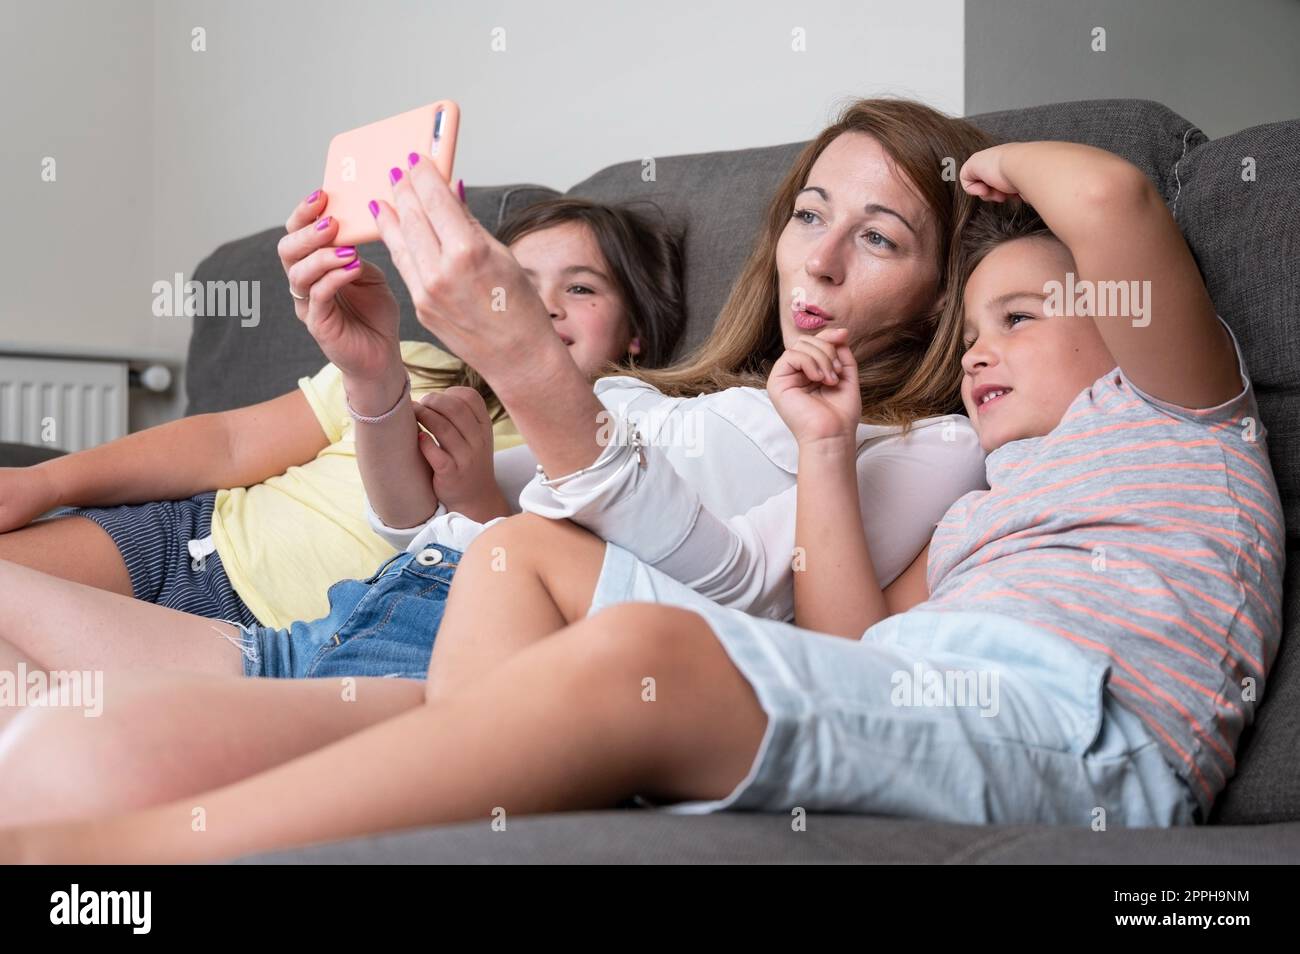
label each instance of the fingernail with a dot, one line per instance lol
(374, 208)
(413, 158)
(355, 263)
(323, 224)
(394, 175)
(460, 189)
(313, 197)
(345, 251)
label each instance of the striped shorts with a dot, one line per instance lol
(168, 552)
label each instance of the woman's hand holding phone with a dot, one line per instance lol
(467, 288)
(345, 303)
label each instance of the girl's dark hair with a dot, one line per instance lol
(644, 259)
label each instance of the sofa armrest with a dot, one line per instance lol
(24, 455)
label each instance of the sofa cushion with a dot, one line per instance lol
(25, 455)
(654, 837)
(1266, 787)
(1245, 234)
(230, 365)
(1151, 136)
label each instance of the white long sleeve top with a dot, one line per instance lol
(711, 499)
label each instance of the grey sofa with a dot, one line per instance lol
(1246, 237)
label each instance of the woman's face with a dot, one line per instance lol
(861, 249)
(565, 265)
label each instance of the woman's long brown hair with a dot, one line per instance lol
(914, 370)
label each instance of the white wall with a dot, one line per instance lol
(1223, 66)
(77, 253)
(166, 152)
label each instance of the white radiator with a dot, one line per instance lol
(61, 403)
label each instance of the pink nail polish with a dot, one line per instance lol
(413, 158)
(374, 208)
(345, 251)
(313, 197)
(355, 263)
(394, 175)
(460, 189)
(323, 224)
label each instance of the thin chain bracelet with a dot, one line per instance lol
(636, 440)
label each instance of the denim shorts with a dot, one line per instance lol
(955, 716)
(382, 626)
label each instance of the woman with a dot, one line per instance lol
(865, 248)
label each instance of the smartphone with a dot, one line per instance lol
(357, 164)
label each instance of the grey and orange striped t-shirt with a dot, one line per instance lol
(1148, 534)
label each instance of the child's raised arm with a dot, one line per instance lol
(1128, 250)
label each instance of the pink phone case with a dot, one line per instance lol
(357, 164)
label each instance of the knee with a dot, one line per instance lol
(522, 542)
(55, 763)
(512, 536)
(647, 641)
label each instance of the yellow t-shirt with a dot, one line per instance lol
(285, 541)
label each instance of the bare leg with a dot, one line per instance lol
(163, 736)
(67, 625)
(72, 548)
(558, 726)
(12, 664)
(510, 590)
(519, 581)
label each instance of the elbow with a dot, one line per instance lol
(1119, 189)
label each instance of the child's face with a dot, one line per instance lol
(565, 265)
(1041, 364)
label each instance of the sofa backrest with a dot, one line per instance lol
(1237, 200)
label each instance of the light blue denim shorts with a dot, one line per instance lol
(381, 626)
(951, 716)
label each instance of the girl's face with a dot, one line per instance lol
(565, 265)
(861, 249)
(1039, 364)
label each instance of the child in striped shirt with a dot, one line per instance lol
(1091, 634)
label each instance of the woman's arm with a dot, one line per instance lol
(469, 291)
(1124, 240)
